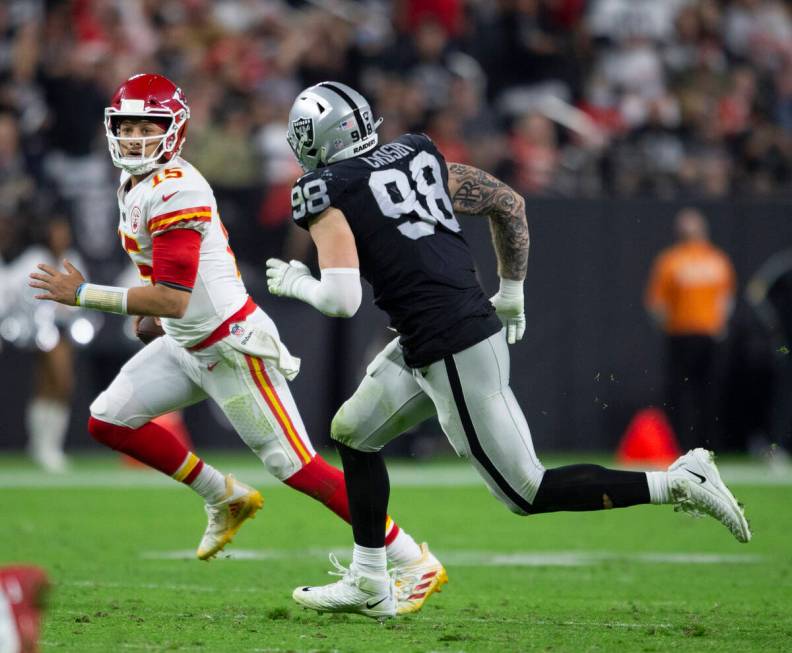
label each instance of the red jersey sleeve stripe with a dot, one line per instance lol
(154, 227)
(171, 214)
(164, 219)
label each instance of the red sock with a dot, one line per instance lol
(325, 483)
(151, 444)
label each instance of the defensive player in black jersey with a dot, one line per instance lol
(388, 213)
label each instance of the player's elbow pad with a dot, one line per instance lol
(338, 293)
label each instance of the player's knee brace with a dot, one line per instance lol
(341, 428)
(102, 410)
(277, 463)
(345, 430)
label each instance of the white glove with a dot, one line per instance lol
(283, 278)
(337, 293)
(510, 307)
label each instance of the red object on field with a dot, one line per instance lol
(175, 424)
(22, 590)
(649, 440)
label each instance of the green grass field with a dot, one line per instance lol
(118, 544)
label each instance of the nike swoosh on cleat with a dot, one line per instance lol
(165, 198)
(701, 479)
(374, 605)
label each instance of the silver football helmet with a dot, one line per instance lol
(330, 122)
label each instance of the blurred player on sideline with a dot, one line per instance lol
(217, 343)
(388, 212)
(45, 330)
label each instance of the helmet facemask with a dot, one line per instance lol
(170, 142)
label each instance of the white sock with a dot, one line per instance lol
(403, 550)
(370, 561)
(47, 421)
(210, 484)
(659, 488)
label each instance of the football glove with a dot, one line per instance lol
(336, 294)
(510, 308)
(283, 278)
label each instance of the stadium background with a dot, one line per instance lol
(609, 115)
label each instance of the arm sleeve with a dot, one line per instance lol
(175, 259)
(337, 294)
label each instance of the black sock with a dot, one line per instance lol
(589, 487)
(368, 489)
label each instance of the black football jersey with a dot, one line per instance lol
(409, 242)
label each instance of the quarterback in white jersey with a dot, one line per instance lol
(179, 198)
(217, 343)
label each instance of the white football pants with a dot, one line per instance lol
(253, 394)
(470, 394)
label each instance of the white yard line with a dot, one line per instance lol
(452, 558)
(477, 558)
(175, 587)
(411, 475)
(575, 624)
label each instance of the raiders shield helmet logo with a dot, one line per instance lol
(304, 130)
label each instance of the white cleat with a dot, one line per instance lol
(226, 517)
(417, 581)
(697, 488)
(356, 593)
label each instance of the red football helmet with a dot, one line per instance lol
(156, 98)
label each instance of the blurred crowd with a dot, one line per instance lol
(569, 98)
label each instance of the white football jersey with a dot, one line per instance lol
(177, 196)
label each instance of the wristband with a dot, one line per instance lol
(511, 289)
(109, 299)
(77, 294)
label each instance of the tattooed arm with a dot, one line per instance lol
(475, 192)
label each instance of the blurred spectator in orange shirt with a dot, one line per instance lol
(691, 295)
